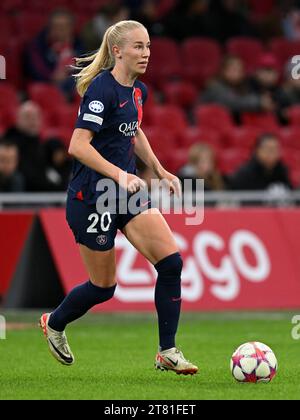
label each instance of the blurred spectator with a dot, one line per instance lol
(50, 54)
(26, 135)
(289, 94)
(58, 165)
(108, 15)
(267, 75)
(146, 12)
(264, 170)
(11, 180)
(291, 22)
(265, 81)
(232, 90)
(191, 18)
(231, 19)
(266, 16)
(202, 165)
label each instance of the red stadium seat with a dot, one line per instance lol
(284, 49)
(65, 116)
(248, 49)
(180, 93)
(30, 24)
(201, 58)
(8, 96)
(291, 158)
(294, 115)
(230, 160)
(194, 135)
(178, 159)
(162, 141)
(165, 62)
(77, 100)
(11, 5)
(242, 137)
(213, 116)
(7, 117)
(48, 96)
(63, 134)
(295, 177)
(290, 137)
(262, 120)
(37, 6)
(169, 117)
(7, 27)
(12, 51)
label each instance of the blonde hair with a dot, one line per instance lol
(103, 59)
(214, 180)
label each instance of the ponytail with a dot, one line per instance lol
(99, 61)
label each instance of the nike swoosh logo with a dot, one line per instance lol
(123, 104)
(144, 204)
(176, 300)
(66, 359)
(172, 361)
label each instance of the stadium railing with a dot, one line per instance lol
(218, 199)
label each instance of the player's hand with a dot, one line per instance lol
(173, 183)
(131, 183)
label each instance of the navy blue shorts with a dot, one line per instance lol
(94, 230)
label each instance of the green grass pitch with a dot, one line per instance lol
(115, 354)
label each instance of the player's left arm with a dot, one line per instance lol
(144, 151)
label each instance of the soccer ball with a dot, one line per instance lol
(253, 362)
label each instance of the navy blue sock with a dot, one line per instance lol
(168, 298)
(77, 303)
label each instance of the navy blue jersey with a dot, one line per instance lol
(114, 113)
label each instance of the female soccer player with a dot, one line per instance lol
(107, 135)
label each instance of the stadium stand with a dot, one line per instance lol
(201, 58)
(178, 72)
(248, 49)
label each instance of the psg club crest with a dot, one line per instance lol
(101, 239)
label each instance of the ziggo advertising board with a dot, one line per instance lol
(14, 229)
(237, 259)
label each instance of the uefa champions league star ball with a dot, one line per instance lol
(253, 362)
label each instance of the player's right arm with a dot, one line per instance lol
(81, 149)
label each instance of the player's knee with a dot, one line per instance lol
(108, 292)
(105, 280)
(101, 294)
(170, 268)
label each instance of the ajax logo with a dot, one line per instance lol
(96, 106)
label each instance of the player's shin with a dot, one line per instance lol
(77, 303)
(168, 298)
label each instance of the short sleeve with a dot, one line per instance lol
(94, 106)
